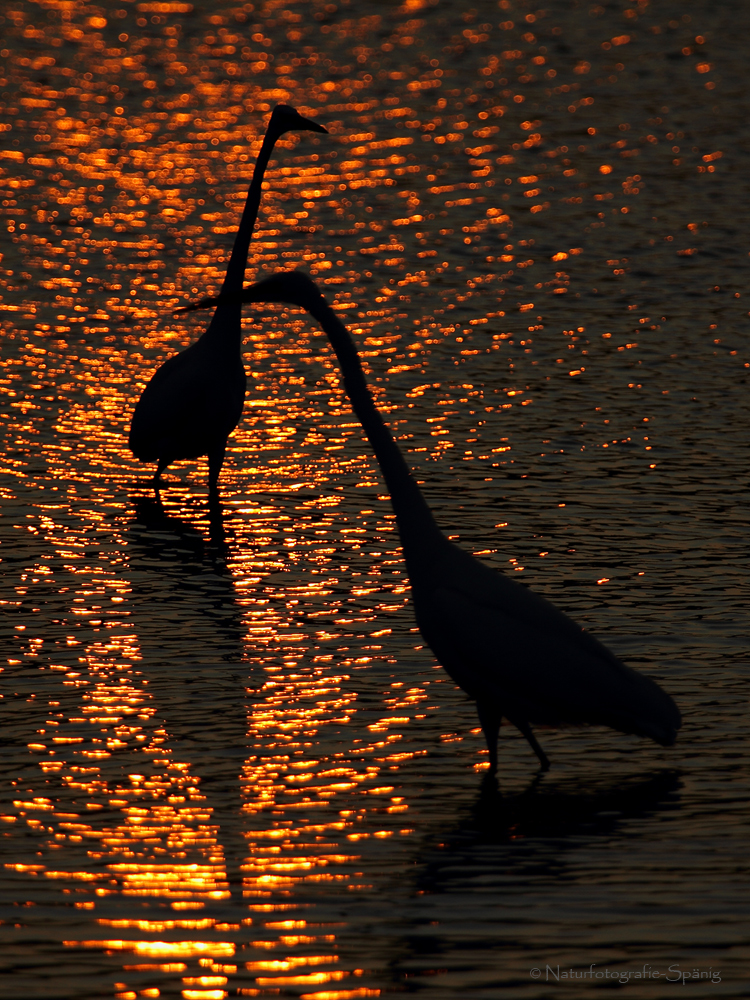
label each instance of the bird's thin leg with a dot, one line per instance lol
(526, 730)
(489, 719)
(156, 481)
(215, 462)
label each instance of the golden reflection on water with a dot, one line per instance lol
(466, 156)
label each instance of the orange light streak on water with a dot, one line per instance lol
(210, 731)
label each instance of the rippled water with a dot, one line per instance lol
(230, 767)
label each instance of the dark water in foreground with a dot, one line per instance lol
(229, 765)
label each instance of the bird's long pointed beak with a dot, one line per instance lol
(204, 303)
(310, 125)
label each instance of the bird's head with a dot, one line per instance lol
(285, 118)
(293, 288)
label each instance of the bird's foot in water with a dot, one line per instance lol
(489, 784)
(157, 482)
(544, 764)
(525, 729)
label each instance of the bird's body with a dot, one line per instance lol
(510, 649)
(193, 402)
(522, 659)
(195, 399)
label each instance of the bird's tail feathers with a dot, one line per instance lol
(663, 734)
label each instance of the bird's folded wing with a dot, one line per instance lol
(531, 655)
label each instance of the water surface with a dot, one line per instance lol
(230, 765)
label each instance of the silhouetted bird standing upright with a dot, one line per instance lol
(194, 400)
(511, 650)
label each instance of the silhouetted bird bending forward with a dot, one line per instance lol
(507, 647)
(194, 400)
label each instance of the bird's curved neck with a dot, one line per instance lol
(235, 275)
(416, 524)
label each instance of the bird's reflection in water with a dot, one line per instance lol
(542, 822)
(191, 637)
(547, 810)
(515, 865)
(183, 592)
